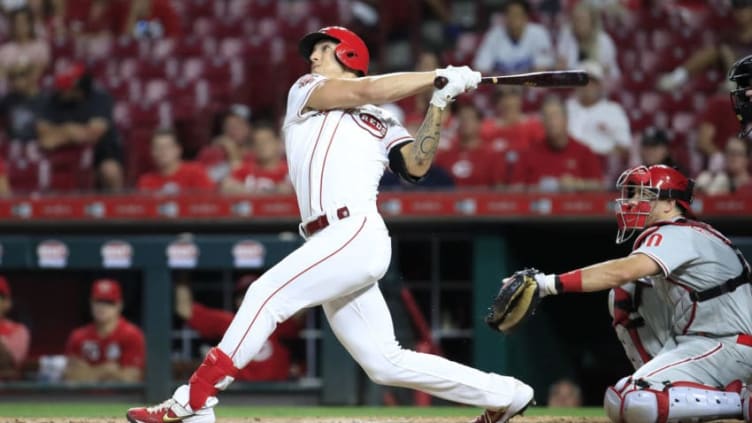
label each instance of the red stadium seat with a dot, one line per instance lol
(127, 47)
(232, 26)
(151, 69)
(189, 46)
(194, 9)
(637, 81)
(683, 122)
(155, 91)
(238, 8)
(263, 9)
(121, 89)
(62, 47)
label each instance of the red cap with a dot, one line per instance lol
(69, 76)
(106, 290)
(244, 282)
(4, 287)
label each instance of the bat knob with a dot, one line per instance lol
(440, 82)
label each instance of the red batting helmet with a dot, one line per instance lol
(351, 50)
(642, 185)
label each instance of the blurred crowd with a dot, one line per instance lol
(169, 96)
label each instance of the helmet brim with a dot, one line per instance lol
(305, 47)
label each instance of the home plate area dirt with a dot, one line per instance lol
(530, 419)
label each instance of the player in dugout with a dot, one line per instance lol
(110, 348)
(273, 360)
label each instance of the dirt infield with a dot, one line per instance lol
(325, 420)
(531, 419)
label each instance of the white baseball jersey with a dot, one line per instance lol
(694, 257)
(337, 157)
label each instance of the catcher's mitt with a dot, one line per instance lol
(515, 301)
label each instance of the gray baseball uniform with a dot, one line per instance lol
(709, 340)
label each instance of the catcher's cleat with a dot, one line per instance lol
(173, 411)
(523, 399)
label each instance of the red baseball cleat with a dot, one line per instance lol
(173, 411)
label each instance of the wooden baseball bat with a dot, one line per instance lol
(567, 78)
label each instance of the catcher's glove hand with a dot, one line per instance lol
(516, 300)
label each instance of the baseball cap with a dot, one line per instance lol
(67, 77)
(653, 136)
(593, 69)
(106, 290)
(244, 282)
(4, 287)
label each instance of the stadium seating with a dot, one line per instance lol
(246, 51)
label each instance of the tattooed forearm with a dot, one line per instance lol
(427, 139)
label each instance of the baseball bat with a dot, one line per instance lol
(567, 78)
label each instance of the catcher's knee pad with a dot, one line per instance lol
(613, 398)
(217, 371)
(678, 402)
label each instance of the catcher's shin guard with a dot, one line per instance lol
(679, 402)
(746, 395)
(216, 372)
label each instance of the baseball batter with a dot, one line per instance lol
(338, 145)
(700, 331)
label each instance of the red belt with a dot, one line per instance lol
(744, 339)
(322, 222)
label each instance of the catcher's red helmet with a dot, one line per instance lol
(642, 185)
(351, 50)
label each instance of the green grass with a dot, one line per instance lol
(80, 410)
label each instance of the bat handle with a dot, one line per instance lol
(440, 82)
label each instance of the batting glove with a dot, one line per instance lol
(457, 82)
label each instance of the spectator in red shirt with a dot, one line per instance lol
(110, 348)
(14, 337)
(561, 163)
(268, 170)
(470, 161)
(509, 128)
(271, 363)
(735, 177)
(172, 175)
(232, 146)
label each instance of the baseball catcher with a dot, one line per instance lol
(701, 295)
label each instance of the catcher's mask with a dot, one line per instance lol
(640, 187)
(741, 74)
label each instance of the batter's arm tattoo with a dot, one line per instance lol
(426, 141)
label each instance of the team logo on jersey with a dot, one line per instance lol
(370, 123)
(90, 350)
(117, 254)
(113, 352)
(52, 253)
